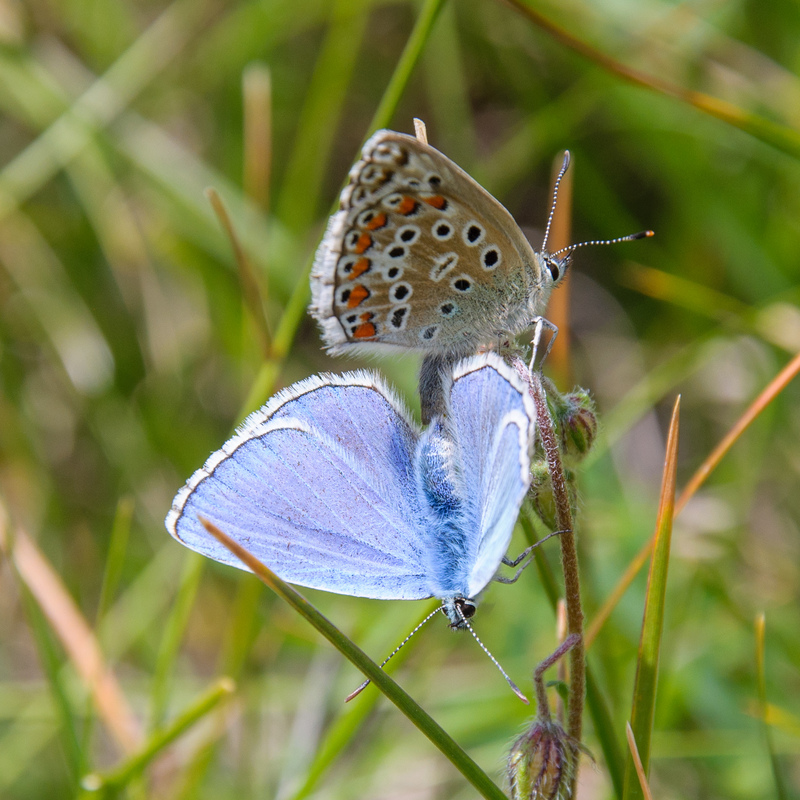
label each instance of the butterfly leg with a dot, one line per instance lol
(434, 371)
(539, 325)
(524, 554)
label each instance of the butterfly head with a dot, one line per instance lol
(458, 610)
(555, 266)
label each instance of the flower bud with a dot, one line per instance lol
(542, 762)
(575, 419)
(541, 493)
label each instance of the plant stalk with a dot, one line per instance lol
(569, 554)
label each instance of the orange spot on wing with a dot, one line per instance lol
(408, 205)
(359, 268)
(357, 296)
(365, 330)
(378, 221)
(364, 243)
(437, 201)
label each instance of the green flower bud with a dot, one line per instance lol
(542, 762)
(575, 419)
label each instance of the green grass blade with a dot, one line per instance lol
(405, 66)
(447, 87)
(404, 702)
(112, 782)
(24, 741)
(342, 731)
(761, 681)
(243, 628)
(173, 634)
(604, 730)
(115, 561)
(646, 684)
(779, 136)
(637, 762)
(51, 666)
(71, 132)
(322, 111)
(765, 397)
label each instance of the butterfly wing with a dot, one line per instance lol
(491, 417)
(413, 224)
(319, 486)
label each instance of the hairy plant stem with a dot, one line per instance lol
(569, 554)
(542, 705)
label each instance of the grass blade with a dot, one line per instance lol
(112, 782)
(404, 702)
(75, 635)
(405, 66)
(174, 628)
(100, 104)
(120, 533)
(644, 692)
(51, 665)
(257, 123)
(325, 99)
(342, 731)
(770, 392)
(779, 136)
(761, 680)
(634, 751)
(252, 293)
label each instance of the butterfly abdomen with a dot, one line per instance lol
(443, 509)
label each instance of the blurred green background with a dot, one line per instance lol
(127, 355)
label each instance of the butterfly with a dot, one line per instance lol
(419, 256)
(333, 486)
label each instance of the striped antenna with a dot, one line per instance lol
(485, 649)
(556, 185)
(629, 238)
(392, 655)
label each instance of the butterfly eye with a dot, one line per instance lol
(553, 269)
(466, 607)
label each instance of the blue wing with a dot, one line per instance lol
(491, 420)
(319, 485)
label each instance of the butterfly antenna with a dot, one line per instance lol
(391, 655)
(485, 649)
(630, 238)
(564, 168)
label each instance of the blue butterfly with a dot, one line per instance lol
(333, 486)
